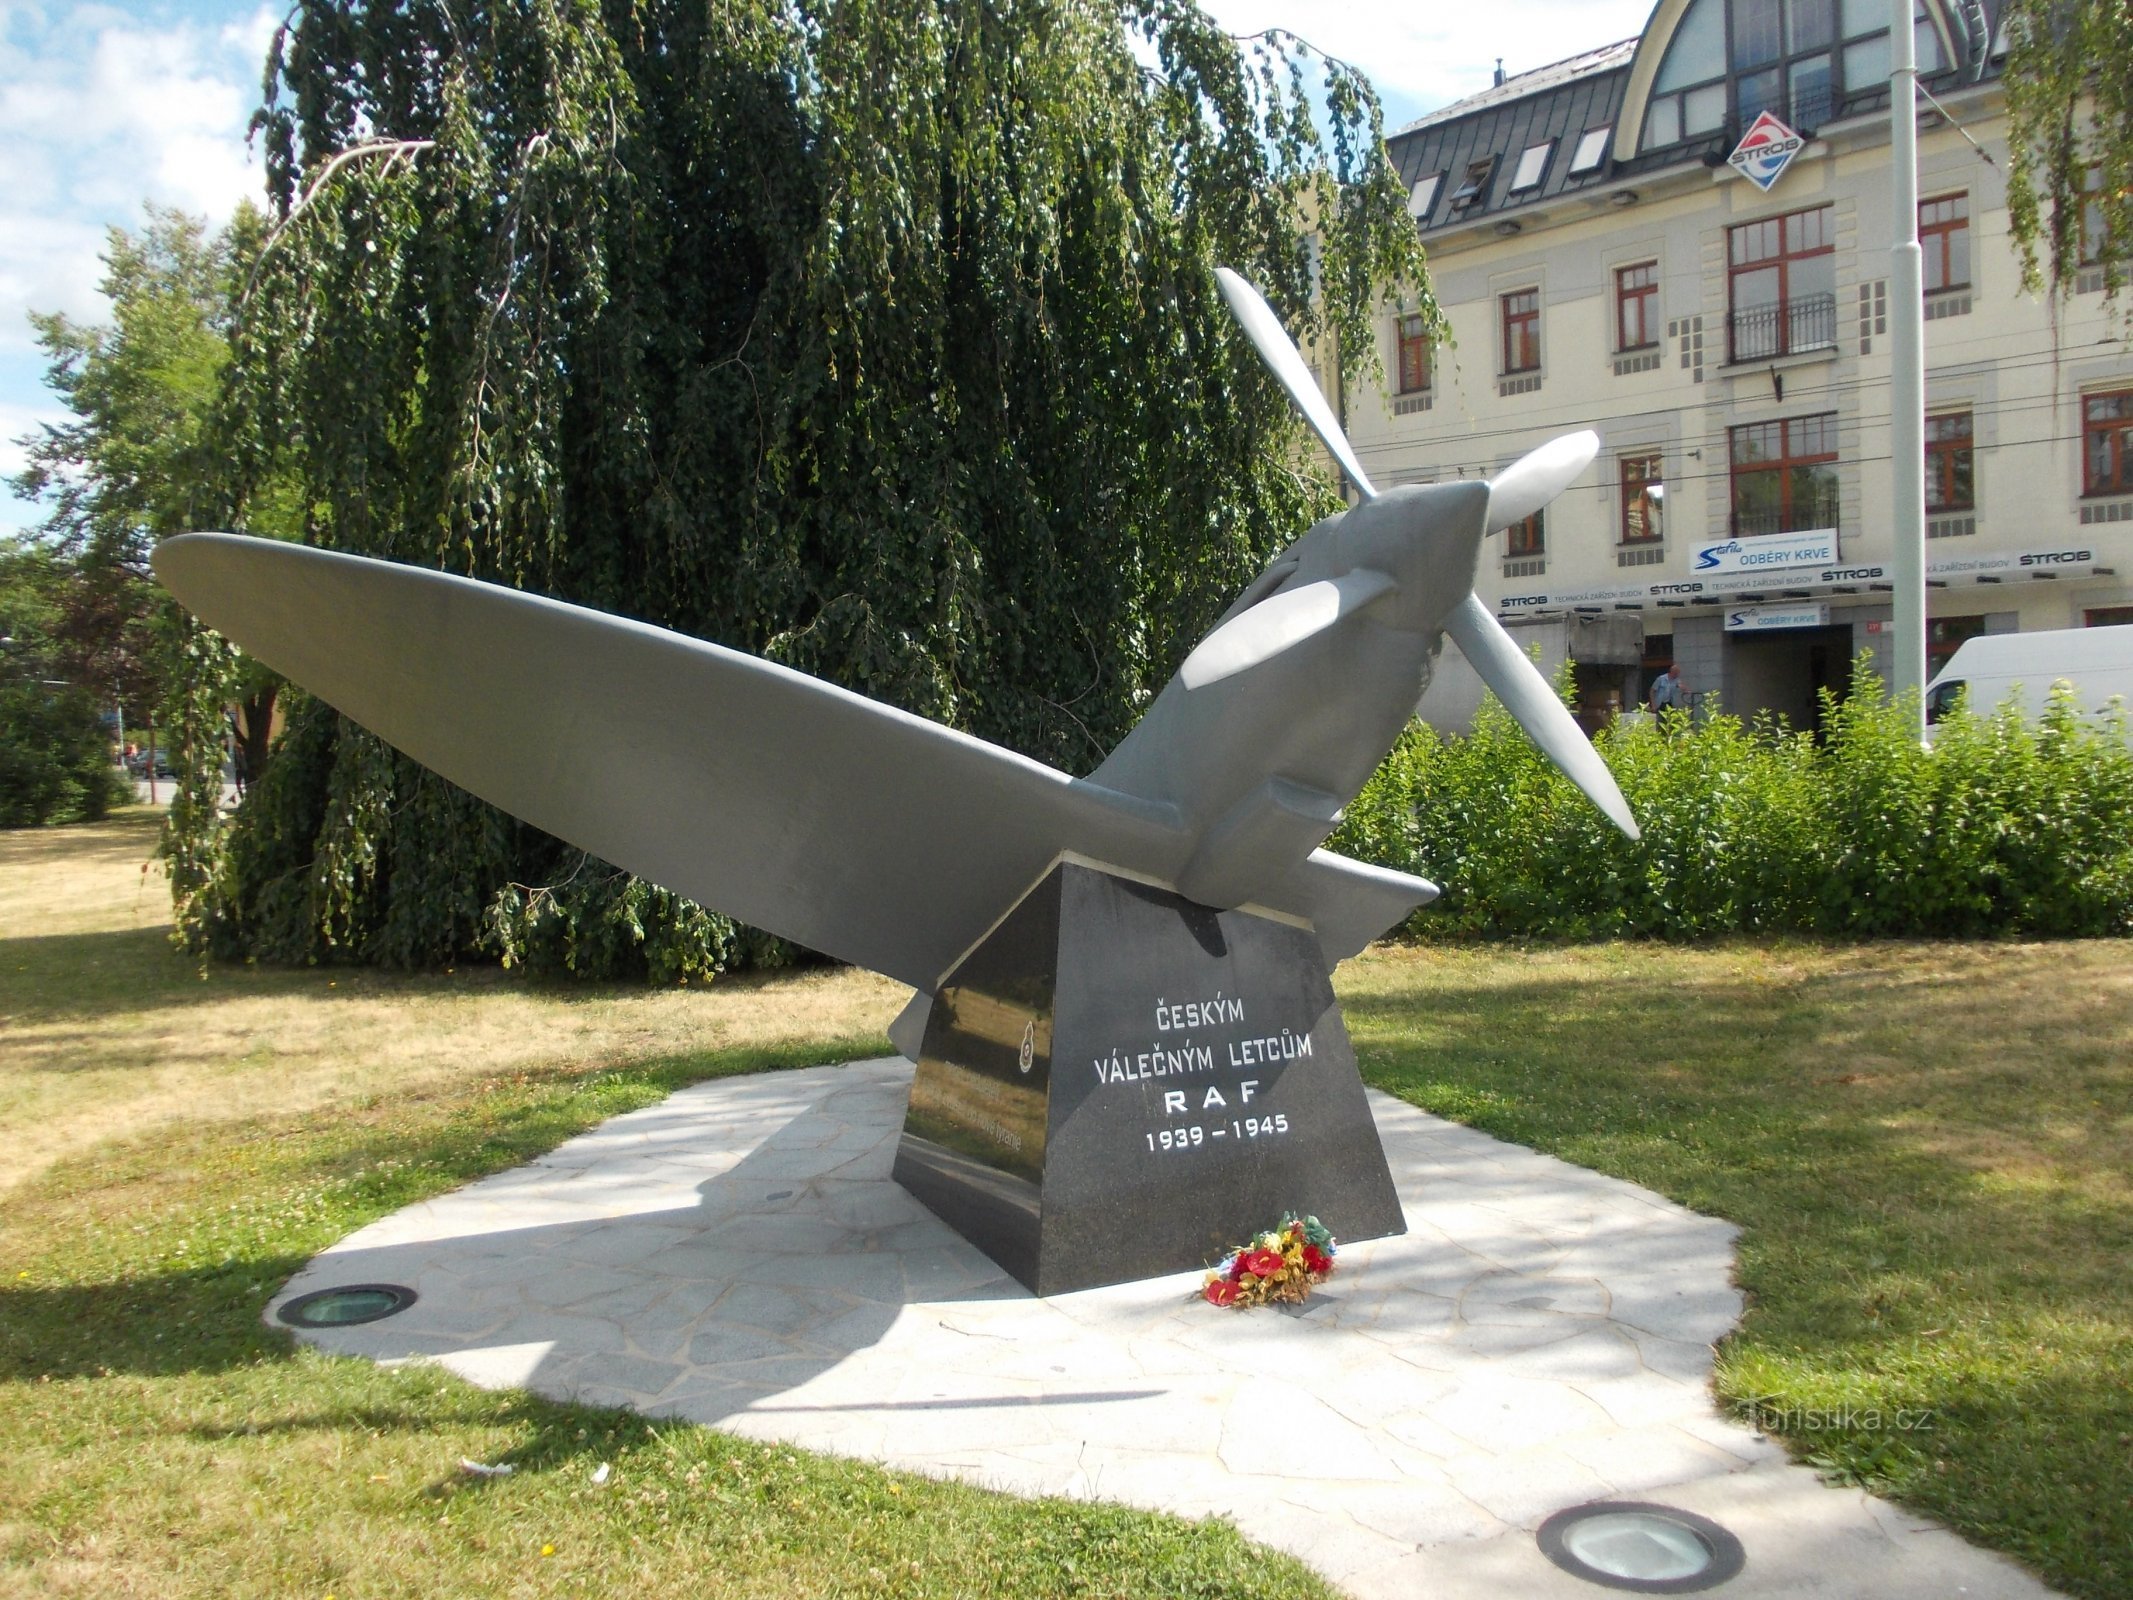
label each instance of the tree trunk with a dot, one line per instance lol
(255, 723)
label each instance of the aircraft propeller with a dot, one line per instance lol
(1290, 616)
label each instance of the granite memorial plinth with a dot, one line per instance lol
(1118, 1083)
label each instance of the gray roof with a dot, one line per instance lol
(1525, 83)
(1560, 102)
(1566, 99)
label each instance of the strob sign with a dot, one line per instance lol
(1765, 151)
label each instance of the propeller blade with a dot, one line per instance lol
(1279, 352)
(1517, 682)
(1533, 480)
(1279, 621)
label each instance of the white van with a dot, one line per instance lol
(2098, 662)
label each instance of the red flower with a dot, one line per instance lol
(1316, 1260)
(1262, 1263)
(1221, 1291)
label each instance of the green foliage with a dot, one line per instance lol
(55, 757)
(2003, 826)
(55, 754)
(879, 337)
(134, 464)
(2069, 81)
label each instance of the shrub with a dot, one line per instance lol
(55, 762)
(2003, 826)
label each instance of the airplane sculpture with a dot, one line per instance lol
(897, 844)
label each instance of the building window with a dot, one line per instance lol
(1784, 475)
(1473, 188)
(1781, 285)
(1944, 233)
(1951, 464)
(1800, 59)
(1414, 354)
(2107, 617)
(1642, 493)
(2107, 443)
(1527, 538)
(1637, 306)
(2092, 217)
(1423, 196)
(1522, 331)
(1531, 165)
(1591, 150)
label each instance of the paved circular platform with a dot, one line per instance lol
(1540, 1337)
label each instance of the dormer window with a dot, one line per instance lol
(1473, 188)
(1531, 165)
(1423, 196)
(1591, 150)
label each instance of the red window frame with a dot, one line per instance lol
(1411, 333)
(1791, 449)
(1944, 234)
(1637, 306)
(2107, 443)
(1951, 463)
(1640, 511)
(1521, 331)
(1776, 245)
(1528, 537)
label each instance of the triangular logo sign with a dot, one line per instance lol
(1765, 151)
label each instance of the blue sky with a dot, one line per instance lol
(106, 106)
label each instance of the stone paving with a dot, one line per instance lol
(1541, 1337)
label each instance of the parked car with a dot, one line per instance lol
(2098, 662)
(137, 762)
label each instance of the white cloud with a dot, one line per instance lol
(1421, 57)
(103, 109)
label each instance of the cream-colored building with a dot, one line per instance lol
(1602, 264)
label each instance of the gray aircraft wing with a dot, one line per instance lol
(842, 824)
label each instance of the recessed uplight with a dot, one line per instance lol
(1643, 1548)
(346, 1306)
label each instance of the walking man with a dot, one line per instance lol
(1670, 690)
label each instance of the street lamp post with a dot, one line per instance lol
(1907, 375)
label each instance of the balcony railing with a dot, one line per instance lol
(1805, 322)
(1807, 515)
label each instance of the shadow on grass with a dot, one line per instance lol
(196, 1320)
(91, 976)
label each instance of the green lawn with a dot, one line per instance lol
(1927, 1146)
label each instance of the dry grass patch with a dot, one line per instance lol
(107, 1033)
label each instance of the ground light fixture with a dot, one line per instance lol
(346, 1306)
(1640, 1547)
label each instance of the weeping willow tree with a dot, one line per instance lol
(879, 337)
(2070, 115)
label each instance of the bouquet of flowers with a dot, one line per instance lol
(1281, 1264)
